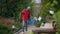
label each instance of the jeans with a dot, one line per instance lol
(23, 24)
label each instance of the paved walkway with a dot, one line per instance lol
(30, 28)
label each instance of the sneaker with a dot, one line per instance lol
(22, 32)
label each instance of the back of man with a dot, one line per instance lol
(25, 14)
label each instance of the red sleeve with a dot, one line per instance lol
(28, 14)
(24, 16)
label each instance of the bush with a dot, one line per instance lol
(37, 24)
(4, 29)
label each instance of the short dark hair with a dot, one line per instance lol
(25, 6)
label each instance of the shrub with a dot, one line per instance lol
(4, 29)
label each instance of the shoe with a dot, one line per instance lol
(22, 32)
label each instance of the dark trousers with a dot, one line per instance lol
(23, 26)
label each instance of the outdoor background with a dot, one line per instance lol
(10, 13)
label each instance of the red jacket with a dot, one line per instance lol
(25, 14)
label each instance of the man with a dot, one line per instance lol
(25, 16)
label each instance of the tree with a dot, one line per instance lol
(12, 8)
(54, 4)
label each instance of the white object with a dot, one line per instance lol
(51, 12)
(28, 7)
(39, 19)
(37, 1)
(13, 26)
(35, 18)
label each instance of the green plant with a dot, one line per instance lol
(37, 23)
(4, 29)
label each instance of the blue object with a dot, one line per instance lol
(30, 21)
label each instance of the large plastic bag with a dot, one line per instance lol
(30, 21)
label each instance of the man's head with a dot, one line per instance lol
(27, 7)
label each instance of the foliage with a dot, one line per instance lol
(37, 24)
(12, 8)
(7, 8)
(4, 29)
(18, 22)
(58, 20)
(32, 8)
(51, 5)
